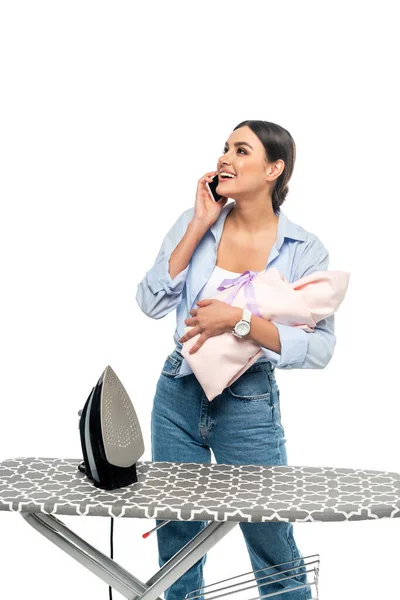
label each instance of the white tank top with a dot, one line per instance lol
(218, 275)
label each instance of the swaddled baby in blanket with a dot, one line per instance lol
(269, 295)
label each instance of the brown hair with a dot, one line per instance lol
(278, 144)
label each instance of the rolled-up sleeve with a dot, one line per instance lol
(158, 294)
(301, 349)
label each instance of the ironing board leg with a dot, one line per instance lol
(186, 557)
(101, 565)
(116, 576)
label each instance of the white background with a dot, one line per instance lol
(109, 113)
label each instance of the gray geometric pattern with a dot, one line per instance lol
(203, 492)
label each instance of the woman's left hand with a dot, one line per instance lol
(212, 318)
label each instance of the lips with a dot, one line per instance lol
(220, 178)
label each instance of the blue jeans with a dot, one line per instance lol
(241, 426)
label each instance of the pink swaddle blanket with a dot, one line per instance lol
(224, 358)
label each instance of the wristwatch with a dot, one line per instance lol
(242, 327)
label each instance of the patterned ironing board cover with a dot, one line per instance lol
(203, 492)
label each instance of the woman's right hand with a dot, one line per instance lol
(206, 210)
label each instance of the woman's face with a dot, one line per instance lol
(244, 156)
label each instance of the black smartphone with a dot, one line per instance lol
(212, 186)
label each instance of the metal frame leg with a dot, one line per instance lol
(116, 576)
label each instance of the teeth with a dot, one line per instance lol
(227, 174)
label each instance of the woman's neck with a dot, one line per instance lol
(253, 219)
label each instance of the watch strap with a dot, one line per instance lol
(246, 315)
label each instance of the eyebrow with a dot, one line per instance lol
(240, 144)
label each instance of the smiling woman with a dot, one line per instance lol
(242, 425)
(258, 150)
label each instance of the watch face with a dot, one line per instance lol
(242, 328)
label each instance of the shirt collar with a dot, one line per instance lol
(286, 228)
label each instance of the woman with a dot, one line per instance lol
(208, 243)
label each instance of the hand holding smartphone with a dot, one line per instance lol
(212, 187)
(209, 203)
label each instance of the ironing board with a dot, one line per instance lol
(224, 495)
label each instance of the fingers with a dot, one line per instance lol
(198, 344)
(189, 334)
(207, 180)
(208, 176)
(195, 331)
(190, 322)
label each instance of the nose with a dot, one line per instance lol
(223, 161)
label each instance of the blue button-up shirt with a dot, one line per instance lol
(295, 253)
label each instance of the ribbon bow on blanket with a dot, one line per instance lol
(268, 295)
(244, 280)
